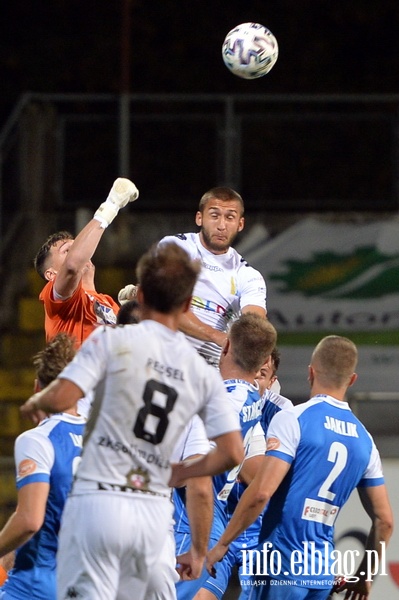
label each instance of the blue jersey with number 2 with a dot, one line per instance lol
(330, 453)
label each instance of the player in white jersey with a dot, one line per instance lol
(149, 382)
(193, 523)
(317, 453)
(227, 286)
(45, 459)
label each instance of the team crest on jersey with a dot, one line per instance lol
(138, 479)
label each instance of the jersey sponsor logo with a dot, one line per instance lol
(254, 411)
(320, 512)
(211, 267)
(165, 370)
(105, 314)
(341, 427)
(77, 439)
(272, 443)
(26, 467)
(198, 302)
(134, 451)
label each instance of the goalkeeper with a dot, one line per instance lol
(71, 302)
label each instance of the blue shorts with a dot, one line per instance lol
(186, 590)
(265, 588)
(224, 569)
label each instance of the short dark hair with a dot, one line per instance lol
(128, 313)
(50, 361)
(252, 339)
(221, 193)
(276, 358)
(39, 262)
(167, 276)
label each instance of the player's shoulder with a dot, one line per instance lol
(281, 402)
(37, 436)
(243, 266)
(186, 240)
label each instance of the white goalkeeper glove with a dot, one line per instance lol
(129, 292)
(122, 192)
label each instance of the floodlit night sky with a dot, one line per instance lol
(75, 46)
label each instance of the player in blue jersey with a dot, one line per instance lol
(251, 339)
(317, 453)
(271, 404)
(45, 459)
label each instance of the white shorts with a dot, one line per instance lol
(162, 584)
(109, 545)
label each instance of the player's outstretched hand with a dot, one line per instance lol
(358, 590)
(189, 565)
(122, 192)
(129, 292)
(214, 556)
(29, 409)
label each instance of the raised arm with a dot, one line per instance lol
(58, 396)
(78, 259)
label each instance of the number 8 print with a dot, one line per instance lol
(141, 428)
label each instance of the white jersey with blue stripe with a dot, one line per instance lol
(48, 453)
(226, 285)
(330, 453)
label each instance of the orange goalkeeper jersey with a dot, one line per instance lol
(79, 314)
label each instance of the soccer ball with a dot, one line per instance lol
(250, 50)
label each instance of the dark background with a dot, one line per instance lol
(75, 46)
(174, 47)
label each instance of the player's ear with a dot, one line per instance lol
(187, 304)
(352, 379)
(139, 295)
(198, 218)
(49, 274)
(226, 346)
(310, 374)
(241, 224)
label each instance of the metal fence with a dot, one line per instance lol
(283, 152)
